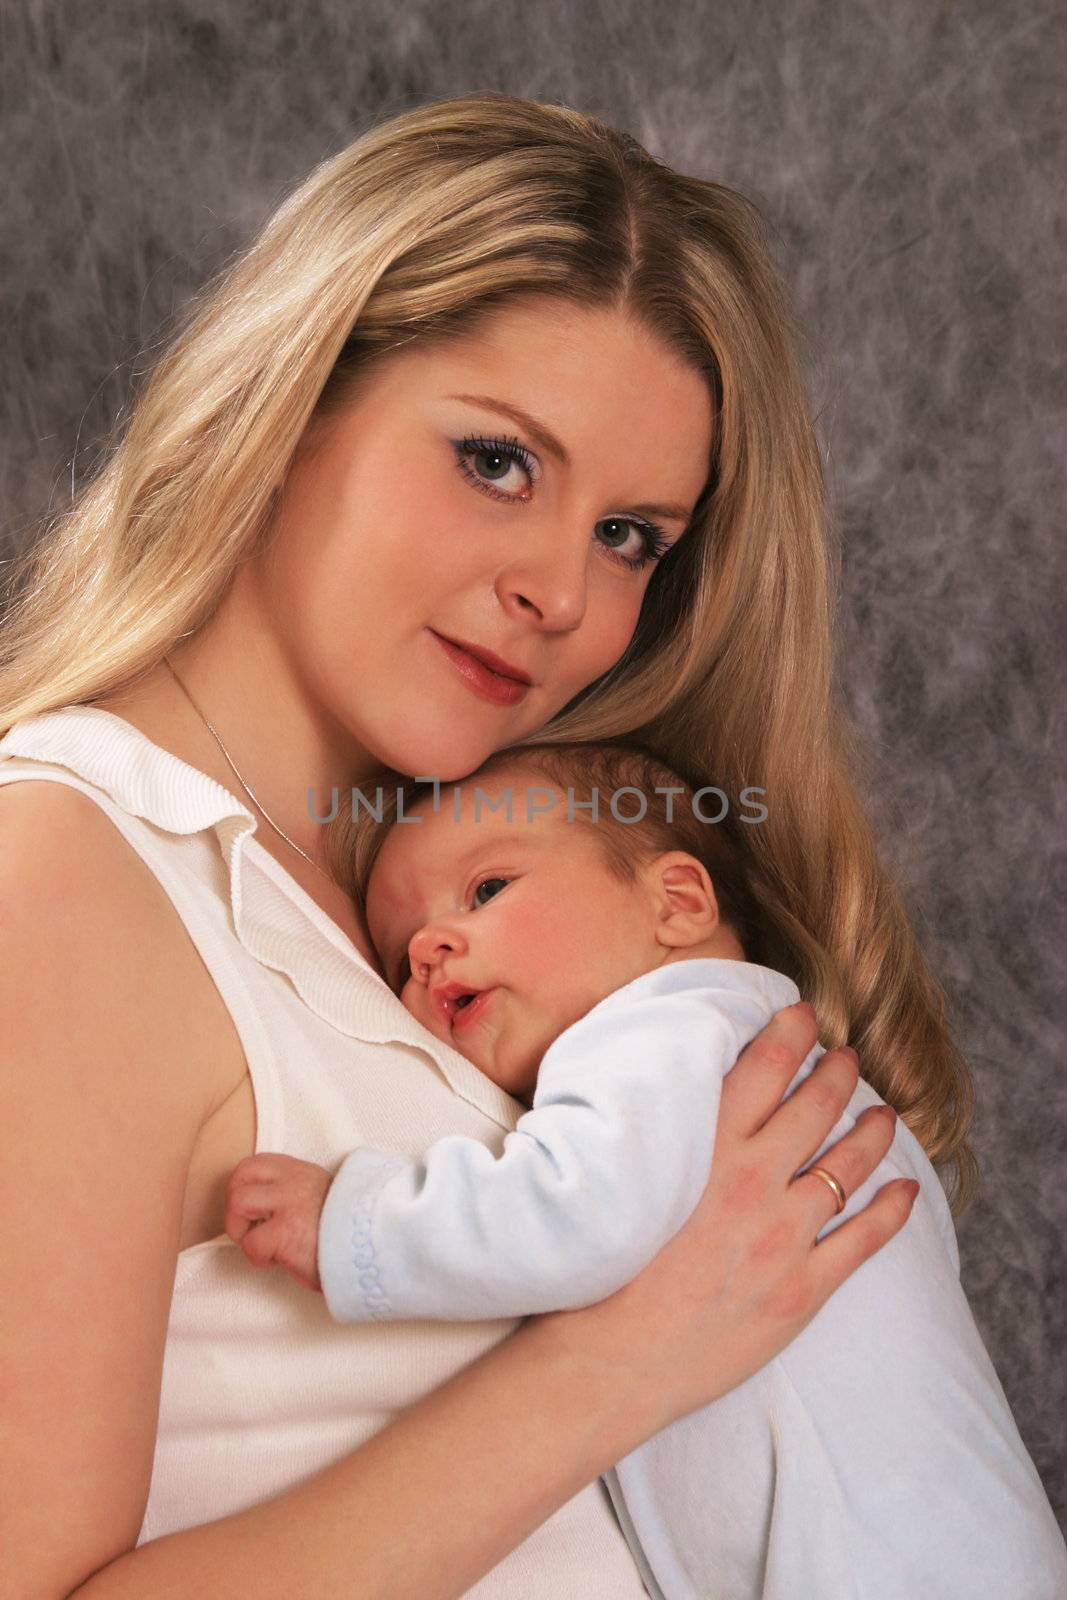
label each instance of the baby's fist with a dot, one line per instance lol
(273, 1205)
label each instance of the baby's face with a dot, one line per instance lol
(525, 917)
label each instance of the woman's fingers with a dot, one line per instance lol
(851, 1161)
(856, 1240)
(801, 1124)
(752, 1089)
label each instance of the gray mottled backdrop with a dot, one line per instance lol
(905, 153)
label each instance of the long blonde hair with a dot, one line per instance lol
(412, 233)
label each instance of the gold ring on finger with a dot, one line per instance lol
(827, 1178)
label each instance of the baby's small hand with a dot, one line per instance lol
(273, 1205)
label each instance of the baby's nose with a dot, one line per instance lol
(430, 945)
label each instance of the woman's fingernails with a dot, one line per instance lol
(887, 1111)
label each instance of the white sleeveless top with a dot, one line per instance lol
(260, 1388)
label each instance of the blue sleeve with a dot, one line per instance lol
(603, 1169)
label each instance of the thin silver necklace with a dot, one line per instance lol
(214, 734)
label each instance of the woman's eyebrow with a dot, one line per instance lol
(537, 430)
(548, 441)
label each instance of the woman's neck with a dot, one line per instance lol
(280, 750)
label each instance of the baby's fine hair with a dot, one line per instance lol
(666, 813)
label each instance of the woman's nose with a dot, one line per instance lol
(430, 946)
(549, 581)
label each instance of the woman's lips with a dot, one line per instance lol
(482, 679)
(462, 1016)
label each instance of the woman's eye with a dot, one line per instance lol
(497, 466)
(492, 886)
(633, 543)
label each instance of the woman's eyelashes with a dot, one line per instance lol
(494, 461)
(489, 462)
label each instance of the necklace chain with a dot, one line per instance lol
(214, 734)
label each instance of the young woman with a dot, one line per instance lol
(497, 427)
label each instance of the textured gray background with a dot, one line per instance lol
(905, 152)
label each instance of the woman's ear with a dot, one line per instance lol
(687, 912)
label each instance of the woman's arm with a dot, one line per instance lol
(440, 1496)
(101, 1100)
(102, 1112)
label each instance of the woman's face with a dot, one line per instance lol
(429, 512)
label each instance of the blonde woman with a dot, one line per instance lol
(495, 430)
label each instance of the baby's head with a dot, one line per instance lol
(535, 909)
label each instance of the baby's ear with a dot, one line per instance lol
(687, 910)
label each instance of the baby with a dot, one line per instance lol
(596, 969)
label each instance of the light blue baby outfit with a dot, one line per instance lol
(876, 1458)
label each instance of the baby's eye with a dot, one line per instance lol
(490, 885)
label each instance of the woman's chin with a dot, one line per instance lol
(448, 757)
(430, 759)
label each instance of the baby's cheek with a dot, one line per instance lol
(559, 967)
(413, 997)
(545, 952)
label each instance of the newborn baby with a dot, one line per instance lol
(596, 970)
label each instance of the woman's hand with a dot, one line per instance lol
(744, 1275)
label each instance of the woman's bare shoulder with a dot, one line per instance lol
(83, 916)
(45, 821)
(55, 841)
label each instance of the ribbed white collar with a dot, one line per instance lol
(276, 921)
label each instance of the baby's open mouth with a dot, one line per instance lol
(449, 999)
(457, 1006)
